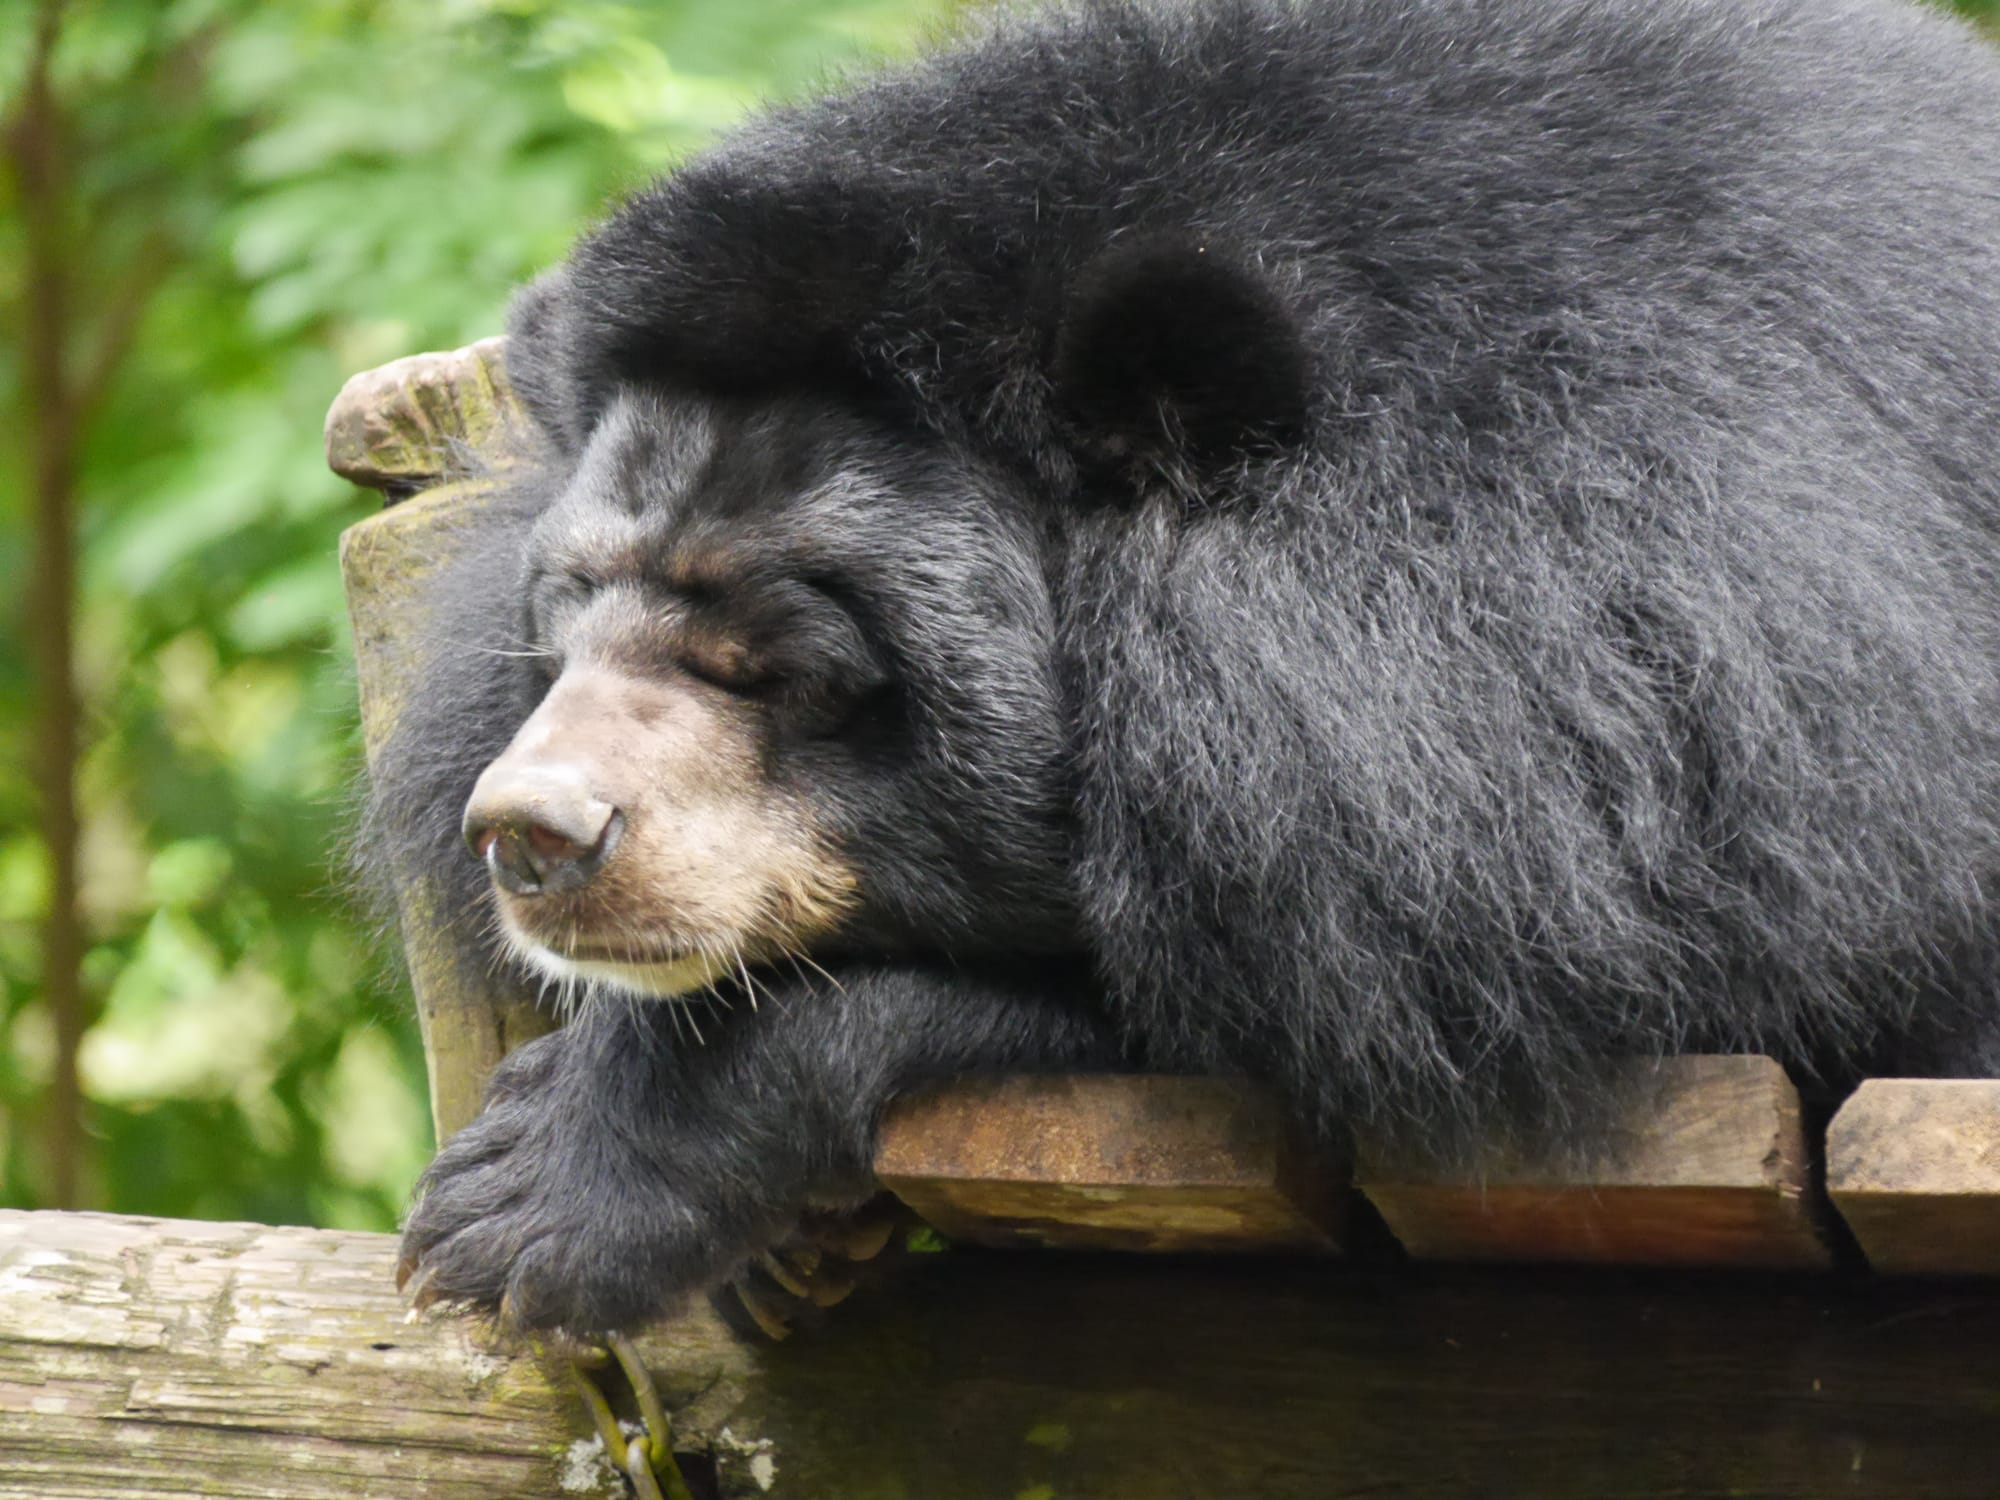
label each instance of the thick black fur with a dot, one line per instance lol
(1421, 544)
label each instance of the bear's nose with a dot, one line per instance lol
(539, 830)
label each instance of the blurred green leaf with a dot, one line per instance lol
(188, 872)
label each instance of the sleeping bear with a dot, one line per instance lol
(1393, 550)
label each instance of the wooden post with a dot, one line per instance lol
(430, 426)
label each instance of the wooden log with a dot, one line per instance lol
(165, 1361)
(1106, 1162)
(1700, 1161)
(145, 1359)
(1913, 1165)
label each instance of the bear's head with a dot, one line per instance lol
(796, 619)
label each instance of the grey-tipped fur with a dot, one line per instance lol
(1601, 654)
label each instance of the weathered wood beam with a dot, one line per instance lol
(1913, 1164)
(150, 1359)
(1111, 1163)
(164, 1361)
(1698, 1161)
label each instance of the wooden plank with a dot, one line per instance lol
(1700, 1161)
(1913, 1165)
(1111, 1162)
(164, 1361)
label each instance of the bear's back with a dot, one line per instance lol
(1455, 195)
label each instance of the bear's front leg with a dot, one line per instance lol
(621, 1165)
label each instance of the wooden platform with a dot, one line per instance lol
(1709, 1165)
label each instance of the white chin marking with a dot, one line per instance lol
(661, 981)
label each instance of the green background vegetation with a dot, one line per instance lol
(254, 201)
(244, 203)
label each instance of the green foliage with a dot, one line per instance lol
(1985, 12)
(284, 194)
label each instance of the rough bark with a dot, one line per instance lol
(164, 1360)
(50, 420)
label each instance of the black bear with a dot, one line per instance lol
(1392, 549)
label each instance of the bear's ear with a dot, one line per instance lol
(1174, 348)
